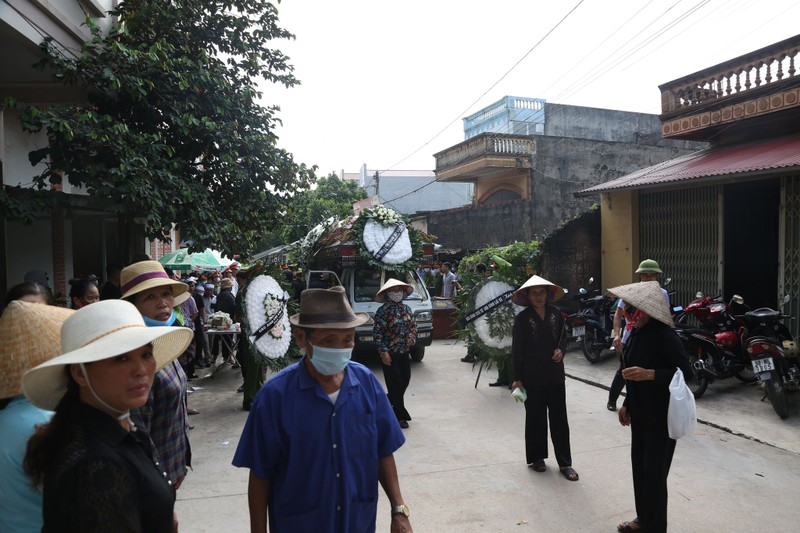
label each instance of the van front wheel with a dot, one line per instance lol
(417, 353)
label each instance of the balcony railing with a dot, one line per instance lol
(482, 145)
(742, 76)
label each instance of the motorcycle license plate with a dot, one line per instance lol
(579, 331)
(763, 365)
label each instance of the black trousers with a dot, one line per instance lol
(547, 401)
(616, 386)
(397, 377)
(651, 457)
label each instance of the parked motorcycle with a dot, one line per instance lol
(716, 348)
(774, 355)
(593, 324)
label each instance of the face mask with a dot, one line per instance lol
(330, 361)
(395, 297)
(149, 322)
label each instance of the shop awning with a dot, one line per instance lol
(723, 161)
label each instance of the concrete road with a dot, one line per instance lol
(463, 465)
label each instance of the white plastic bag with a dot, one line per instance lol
(682, 413)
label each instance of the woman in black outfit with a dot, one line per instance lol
(537, 352)
(98, 471)
(651, 357)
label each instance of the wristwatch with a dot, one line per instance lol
(401, 509)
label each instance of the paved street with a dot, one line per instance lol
(463, 467)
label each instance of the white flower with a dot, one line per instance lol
(489, 292)
(376, 235)
(263, 300)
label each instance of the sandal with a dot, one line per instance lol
(538, 465)
(570, 473)
(628, 527)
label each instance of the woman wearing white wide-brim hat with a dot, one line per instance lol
(97, 470)
(537, 354)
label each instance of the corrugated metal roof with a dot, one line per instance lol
(783, 152)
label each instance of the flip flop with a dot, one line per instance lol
(570, 473)
(538, 465)
(627, 527)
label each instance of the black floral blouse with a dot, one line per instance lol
(394, 325)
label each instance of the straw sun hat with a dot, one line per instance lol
(520, 296)
(381, 295)
(30, 334)
(145, 275)
(326, 308)
(647, 297)
(96, 332)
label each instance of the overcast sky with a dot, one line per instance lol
(381, 79)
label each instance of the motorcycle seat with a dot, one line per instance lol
(763, 313)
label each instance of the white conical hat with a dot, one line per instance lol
(381, 295)
(646, 296)
(520, 296)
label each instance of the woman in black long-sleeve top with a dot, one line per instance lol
(537, 352)
(652, 355)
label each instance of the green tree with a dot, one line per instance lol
(172, 131)
(332, 197)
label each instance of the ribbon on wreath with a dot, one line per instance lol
(267, 326)
(486, 308)
(398, 231)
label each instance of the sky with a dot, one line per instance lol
(386, 84)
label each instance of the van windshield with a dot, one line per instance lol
(367, 282)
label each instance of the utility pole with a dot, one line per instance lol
(377, 184)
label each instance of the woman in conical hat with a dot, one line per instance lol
(652, 354)
(520, 296)
(537, 352)
(395, 332)
(30, 334)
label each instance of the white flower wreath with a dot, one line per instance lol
(376, 235)
(487, 293)
(264, 299)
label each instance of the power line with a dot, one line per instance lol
(491, 87)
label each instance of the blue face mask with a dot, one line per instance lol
(149, 322)
(330, 361)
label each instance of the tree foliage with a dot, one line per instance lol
(332, 197)
(172, 131)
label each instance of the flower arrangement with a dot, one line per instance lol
(265, 305)
(494, 328)
(220, 318)
(492, 333)
(375, 227)
(369, 230)
(385, 216)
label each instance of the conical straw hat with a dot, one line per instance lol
(381, 296)
(30, 334)
(647, 297)
(520, 296)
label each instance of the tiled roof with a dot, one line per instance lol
(778, 153)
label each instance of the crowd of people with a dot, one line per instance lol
(94, 428)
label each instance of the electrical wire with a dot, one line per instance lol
(514, 66)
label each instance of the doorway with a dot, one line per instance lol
(751, 227)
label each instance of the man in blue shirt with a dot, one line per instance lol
(321, 434)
